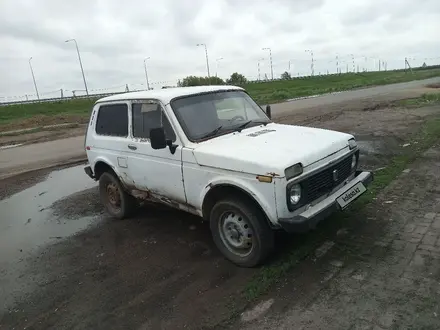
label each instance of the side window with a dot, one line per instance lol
(112, 120)
(147, 116)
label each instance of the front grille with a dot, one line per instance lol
(323, 182)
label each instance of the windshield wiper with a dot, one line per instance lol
(245, 124)
(212, 133)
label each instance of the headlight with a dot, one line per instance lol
(353, 162)
(295, 194)
(352, 143)
(293, 171)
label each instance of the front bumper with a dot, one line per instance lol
(309, 219)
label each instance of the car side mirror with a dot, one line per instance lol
(269, 111)
(157, 138)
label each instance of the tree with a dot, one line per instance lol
(216, 81)
(199, 81)
(237, 79)
(286, 76)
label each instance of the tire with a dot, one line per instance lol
(117, 202)
(238, 218)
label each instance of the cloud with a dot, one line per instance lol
(114, 38)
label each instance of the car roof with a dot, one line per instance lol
(167, 94)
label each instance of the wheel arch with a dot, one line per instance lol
(100, 167)
(219, 191)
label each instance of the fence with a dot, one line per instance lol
(61, 99)
(99, 95)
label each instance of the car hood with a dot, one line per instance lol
(270, 149)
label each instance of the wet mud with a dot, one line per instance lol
(65, 264)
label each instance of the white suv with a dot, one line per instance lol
(212, 151)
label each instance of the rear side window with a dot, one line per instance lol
(112, 120)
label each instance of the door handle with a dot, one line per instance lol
(132, 147)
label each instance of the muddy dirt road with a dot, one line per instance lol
(64, 150)
(41, 155)
(380, 93)
(111, 274)
(65, 265)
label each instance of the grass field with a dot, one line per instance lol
(37, 114)
(272, 92)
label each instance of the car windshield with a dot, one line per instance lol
(208, 115)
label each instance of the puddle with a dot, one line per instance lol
(370, 147)
(27, 221)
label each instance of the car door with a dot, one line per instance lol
(157, 171)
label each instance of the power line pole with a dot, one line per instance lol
(312, 66)
(352, 58)
(146, 73)
(80, 64)
(216, 69)
(206, 55)
(270, 57)
(290, 70)
(33, 78)
(258, 65)
(337, 63)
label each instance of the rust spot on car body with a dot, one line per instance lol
(273, 174)
(153, 197)
(140, 194)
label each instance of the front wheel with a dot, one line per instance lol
(241, 232)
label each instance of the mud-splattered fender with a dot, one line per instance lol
(121, 172)
(105, 160)
(263, 193)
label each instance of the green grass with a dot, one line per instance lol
(297, 251)
(79, 107)
(38, 129)
(263, 93)
(424, 100)
(272, 92)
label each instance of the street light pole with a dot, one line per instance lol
(146, 73)
(312, 66)
(216, 69)
(270, 57)
(206, 54)
(80, 64)
(33, 78)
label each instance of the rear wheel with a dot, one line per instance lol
(117, 202)
(241, 232)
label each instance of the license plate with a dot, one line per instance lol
(350, 195)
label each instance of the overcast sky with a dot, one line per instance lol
(115, 36)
